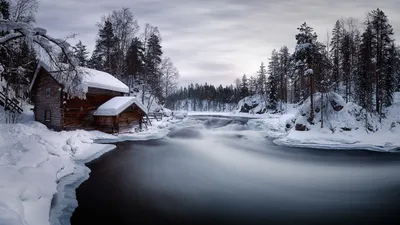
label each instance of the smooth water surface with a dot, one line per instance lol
(222, 172)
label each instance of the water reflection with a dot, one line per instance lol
(210, 172)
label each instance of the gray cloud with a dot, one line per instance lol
(213, 41)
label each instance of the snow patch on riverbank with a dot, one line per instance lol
(274, 126)
(40, 169)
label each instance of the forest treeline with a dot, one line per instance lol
(360, 61)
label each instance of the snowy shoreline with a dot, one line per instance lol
(339, 146)
(40, 169)
(64, 202)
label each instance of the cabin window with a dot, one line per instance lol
(47, 116)
(48, 93)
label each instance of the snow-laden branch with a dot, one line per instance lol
(10, 37)
(38, 39)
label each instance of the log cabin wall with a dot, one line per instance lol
(129, 119)
(47, 96)
(107, 124)
(124, 122)
(78, 113)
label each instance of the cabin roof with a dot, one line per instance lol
(117, 105)
(89, 78)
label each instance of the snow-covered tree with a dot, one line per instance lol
(81, 54)
(305, 53)
(46, 46)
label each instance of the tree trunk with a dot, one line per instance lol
(311, 118)
(322, 110)
(142, 93)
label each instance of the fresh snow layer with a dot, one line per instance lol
(78, 85)
(40, 169)
(102, 80)
(117, 105)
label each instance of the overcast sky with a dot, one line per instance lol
(214, 41)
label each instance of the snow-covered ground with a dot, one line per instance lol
(346, 129)
(40, 168)
(385, 138)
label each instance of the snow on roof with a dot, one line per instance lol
(102, 80)
(78, 85)
(117, 105)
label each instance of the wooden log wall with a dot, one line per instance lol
(53, 103)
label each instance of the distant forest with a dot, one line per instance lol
(360, 61)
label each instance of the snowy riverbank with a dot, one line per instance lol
(40, 169)
(274, 127)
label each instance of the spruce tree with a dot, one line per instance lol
(335, 52)
(81, 54)
(244, 87)
(365, 79)
(152, 64)
(345, 55)
(304, 56)
(272, 92)
(104, 55)
(261, 80)
(135, 58)
(284, 67)
(383, 35)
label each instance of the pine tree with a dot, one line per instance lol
(104, 55)
(261, 79)
(135, 60)
(364, 87)
(272, 92)
(152, 64)
(345, 55)
(81, 54)
(335, 51)
(96, 61)
(284, 67)
(305, 53)
(383, 33)
(252, 85)
(244, 87)
(389, 82)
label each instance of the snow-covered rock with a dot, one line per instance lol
(255, 104)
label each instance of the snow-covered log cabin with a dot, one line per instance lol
(102, 104)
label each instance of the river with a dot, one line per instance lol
(222, 172)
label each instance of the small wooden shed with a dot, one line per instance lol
(120, 114)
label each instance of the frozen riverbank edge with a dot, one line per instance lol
(273, 126)
(64, 201)
(40, 169)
